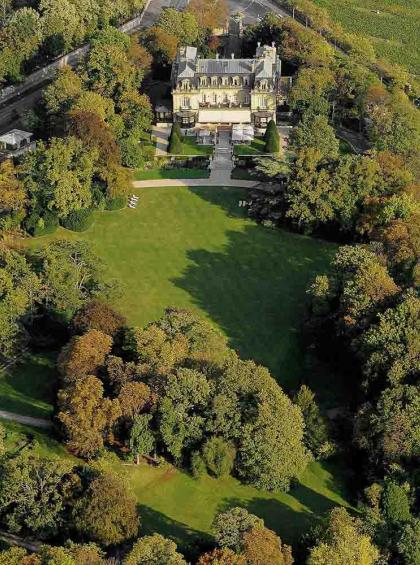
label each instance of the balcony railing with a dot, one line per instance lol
(226, 105)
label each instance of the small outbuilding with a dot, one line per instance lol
(15, 139)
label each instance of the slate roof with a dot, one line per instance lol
(264, 69)
(186, 69)
(225, 66)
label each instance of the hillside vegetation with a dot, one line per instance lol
(394, 31)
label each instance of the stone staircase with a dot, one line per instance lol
(222, 164)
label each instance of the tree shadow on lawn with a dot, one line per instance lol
(30, 387)
(254, 289)
(190, 541)
(290, 524)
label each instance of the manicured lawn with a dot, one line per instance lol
(191, 147)
(30, 387)
(153, 174)
(177, 505)
(195, 248)
(41, 442)
(256, 147)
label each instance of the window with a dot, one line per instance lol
(214, 81)
(203, 98)
(203, 81)
(215, 98)
(263, 102)
(185, 102)
(246, 81)
(247, 100)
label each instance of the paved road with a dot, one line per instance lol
(254, 9)
(26, 420)
(12, 110)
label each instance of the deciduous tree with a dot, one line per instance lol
(154, 550)
(84, 355)
(262, 546)
(86, 416)
(107, 512)
(230, 527)
(343, 542)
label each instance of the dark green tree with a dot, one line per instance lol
(272, 138)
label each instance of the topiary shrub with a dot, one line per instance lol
(176, 130)
(272, 138)
(80, 220)
(116, 203)
(175, 145)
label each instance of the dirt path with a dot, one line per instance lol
(26, 420)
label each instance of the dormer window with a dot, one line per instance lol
(236, 81)
(246, 82)
(185, 84)
(203, 81)
(214, 81)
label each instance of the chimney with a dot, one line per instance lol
(233, 55)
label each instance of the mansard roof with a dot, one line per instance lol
(264, 68)
(225, 66)
(186, 69)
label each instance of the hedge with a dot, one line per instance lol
(78, 221)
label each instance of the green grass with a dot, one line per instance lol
(191, 147)
(256, 147)
(154, 174)
(195, 248)
(394, 32)
(29, 388)
(19, 437)
(179, 506)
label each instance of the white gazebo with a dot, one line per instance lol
(242, 133)
(15, 139)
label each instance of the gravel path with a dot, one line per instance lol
(26, 420)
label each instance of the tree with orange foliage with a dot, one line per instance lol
(96, 134)
(12, 192)
(163, 45)
(84, 355)
(222, 556)
(210, 14)
(98, 315)
(86, 416)
(263, 547)
(134, 398)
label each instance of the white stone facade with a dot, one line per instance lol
(226, 91)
